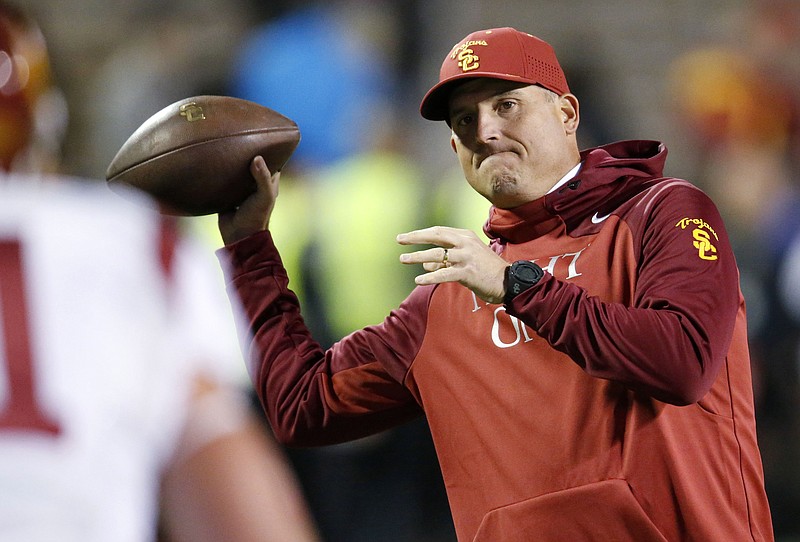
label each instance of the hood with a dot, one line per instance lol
(610, 175)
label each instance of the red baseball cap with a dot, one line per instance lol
(496, 53)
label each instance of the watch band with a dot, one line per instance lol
(520, 276)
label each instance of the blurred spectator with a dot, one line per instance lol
(181, 49)
(122, 412)
(32, 110)
(328, 68)
(739, 102)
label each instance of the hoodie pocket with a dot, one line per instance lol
(603, 511)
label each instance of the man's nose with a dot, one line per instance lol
(487, 127)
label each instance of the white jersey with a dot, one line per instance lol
(102, 326)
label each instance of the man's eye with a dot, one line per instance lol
(508, 104)
(464, 120)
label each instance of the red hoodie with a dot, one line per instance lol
(611, 401)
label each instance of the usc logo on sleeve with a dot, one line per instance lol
(704, 237)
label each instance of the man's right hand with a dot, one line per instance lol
(253, 215)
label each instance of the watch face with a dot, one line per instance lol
(527, 273)
(521, 276)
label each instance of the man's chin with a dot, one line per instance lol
(504, 182)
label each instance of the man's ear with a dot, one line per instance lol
(453, 141)
(570, 112)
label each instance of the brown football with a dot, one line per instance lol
(194, 156)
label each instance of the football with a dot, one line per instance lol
(194, 156)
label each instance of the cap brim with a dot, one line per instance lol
(435, 104)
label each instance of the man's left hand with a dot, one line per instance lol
(458, 256)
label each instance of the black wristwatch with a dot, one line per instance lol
(520, 276)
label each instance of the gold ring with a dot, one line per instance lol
(444, 258)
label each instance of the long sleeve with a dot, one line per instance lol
(311, 396)
(672, 339)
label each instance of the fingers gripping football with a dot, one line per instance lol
(253, 214)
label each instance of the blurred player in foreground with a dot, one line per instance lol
(121, 414)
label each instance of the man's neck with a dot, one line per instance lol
(566, 178)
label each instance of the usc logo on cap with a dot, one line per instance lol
(468, 60)
(465, 56)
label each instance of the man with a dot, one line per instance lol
(122, 417)
(585, 377)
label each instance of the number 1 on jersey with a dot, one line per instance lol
(20, 409)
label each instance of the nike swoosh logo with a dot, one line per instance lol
(598, 219)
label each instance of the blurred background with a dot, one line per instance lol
(718, 81)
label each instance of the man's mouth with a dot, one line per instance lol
(495, 154)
